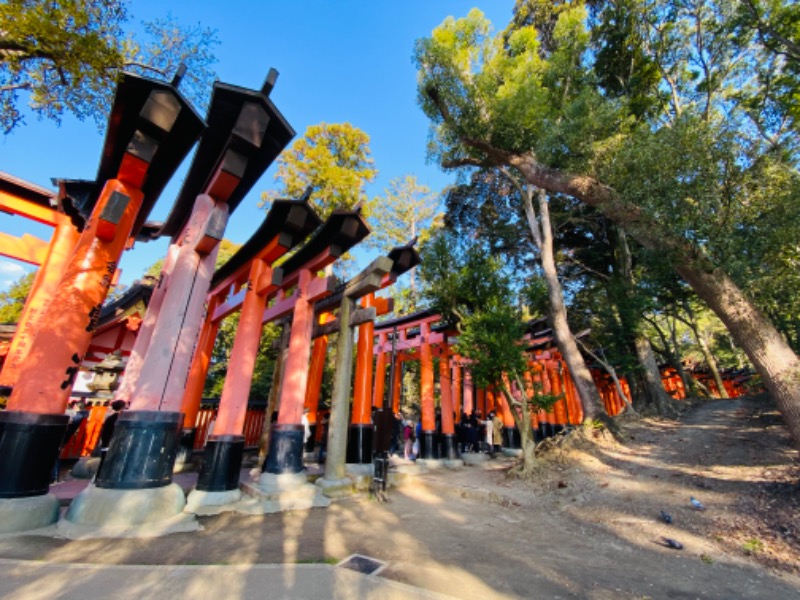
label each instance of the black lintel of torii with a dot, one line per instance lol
(403, 259)
(245, 134)
(151, 121)
(293, 220)
(369, 280)
(341, 231)
(399, 260)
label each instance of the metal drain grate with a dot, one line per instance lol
(362, 564)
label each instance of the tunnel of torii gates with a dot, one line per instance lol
(150, 130)
(423, 337)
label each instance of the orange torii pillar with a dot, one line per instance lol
(489, 398)
(45, 285)
(224, 450)
(316, 370)
(133, 367)
(481, 403)
(427, 444)
(511, 439)
(449, 442)
(32, 427)
(469, 406)
(456, 391)
(36, 406)
(146, 448)
(359, 439)
(380, 373)
(397, 383)
(196, 382)
(286, 443)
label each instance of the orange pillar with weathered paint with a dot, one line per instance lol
(286, 442)
(359, 439)
(62, 244)
(242, 362)
(427, 443)
(45, 378)
(34, 421)
(469, 404)
(380, 373)
(449, 446)
(397, 383)
(488, 399)
(222, 459)
(196, 383)
(133, 368)
(316, 370)
(456, 391)
(169, 356)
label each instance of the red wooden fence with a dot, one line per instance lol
(84, 440)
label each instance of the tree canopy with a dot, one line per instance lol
(64, 57)
(659, 114)
(335, 161)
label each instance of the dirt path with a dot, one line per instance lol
(587, 528)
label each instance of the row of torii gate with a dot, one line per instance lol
(278, 275)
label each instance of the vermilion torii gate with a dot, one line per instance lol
(245, 134)
(419, 337)
(151, 129)
(21, 198)
(270, 293)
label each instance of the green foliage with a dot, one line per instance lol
(333, 159)
(540, 400)
(408, 210)
(13, 301)
(66, 57)
(684, 112)
(468, 286)
(753, 546)
(501, 91)
(265, 359)
(491, 339)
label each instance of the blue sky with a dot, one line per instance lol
(339, 60)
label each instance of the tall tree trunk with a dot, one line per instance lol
(771, 356)
(651, 397)
(584, 383)
(670, 351)
(711, 362)
(689, 382)
(521, 411)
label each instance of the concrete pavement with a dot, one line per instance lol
(31, 580)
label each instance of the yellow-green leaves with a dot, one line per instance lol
(334, 160)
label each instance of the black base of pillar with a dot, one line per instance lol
(186, 446)
(142, 451)
(427, 445)
(449, 447)
(222, 461)
(511, 438)
(359, 445)
(29, 446)
(285, 450)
